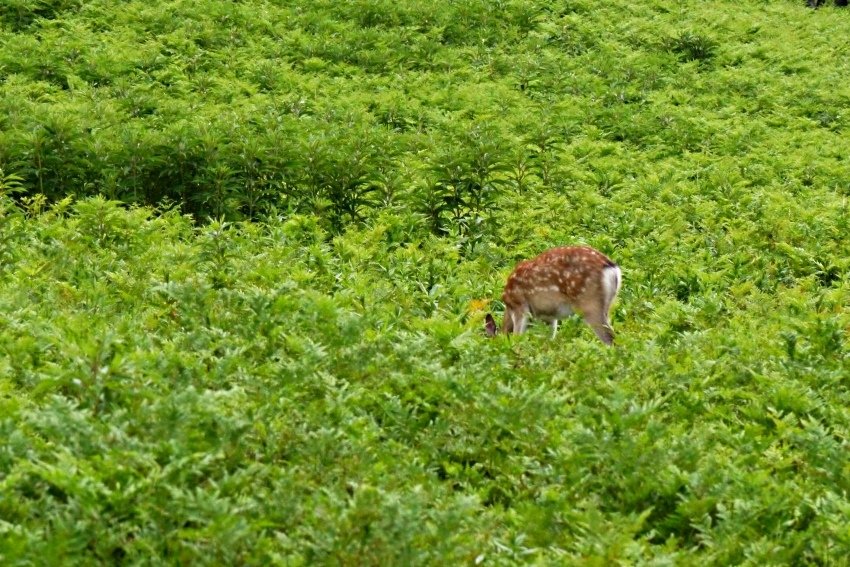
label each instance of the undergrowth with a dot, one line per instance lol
(246, 250)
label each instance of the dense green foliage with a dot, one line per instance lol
(302, 379)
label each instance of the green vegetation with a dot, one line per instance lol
(246, 249)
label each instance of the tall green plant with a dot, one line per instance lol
(343, 175)
(465, 183)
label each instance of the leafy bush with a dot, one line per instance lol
(691, 46)
(301, 378)
(19, 14)
(256, 391)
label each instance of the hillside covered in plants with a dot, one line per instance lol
(246, 249)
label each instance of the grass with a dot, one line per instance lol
(246, 251)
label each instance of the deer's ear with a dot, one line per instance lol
(490, 326)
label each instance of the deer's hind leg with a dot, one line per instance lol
(596, 317)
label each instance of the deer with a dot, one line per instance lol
(557, 283)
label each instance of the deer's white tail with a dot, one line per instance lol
(611, 280)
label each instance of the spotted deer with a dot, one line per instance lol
(558, 283)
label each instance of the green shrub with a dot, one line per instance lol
(246, 250)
